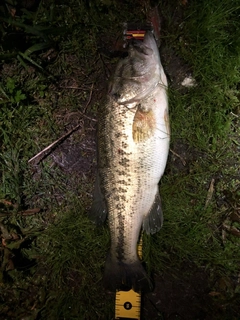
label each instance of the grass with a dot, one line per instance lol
(208, 43)
(72, 266)
(53, 257)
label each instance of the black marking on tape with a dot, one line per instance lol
(127, 305)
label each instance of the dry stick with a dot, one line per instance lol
(210, 193)
(38, 157)
(92, 119)
(177, 155)
(89, 100)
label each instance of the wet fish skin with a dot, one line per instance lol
(133, 144)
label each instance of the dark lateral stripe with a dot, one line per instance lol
(120, 240)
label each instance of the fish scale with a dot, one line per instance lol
(133, 144)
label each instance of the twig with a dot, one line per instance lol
(38, 157)
(30, 212)
(177, 155)
(89, 100)
(235, 115)
(92, 119)
(210, 193)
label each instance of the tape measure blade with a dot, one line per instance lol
(128, 305)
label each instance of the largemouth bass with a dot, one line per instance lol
(133, 145)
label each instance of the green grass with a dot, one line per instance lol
(53, 258)
(74, 270)
(208, 41)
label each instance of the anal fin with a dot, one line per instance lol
(153, 221)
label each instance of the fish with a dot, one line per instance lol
(133, 145)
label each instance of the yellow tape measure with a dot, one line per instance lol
(128, 303)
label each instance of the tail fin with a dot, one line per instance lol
(121, 276)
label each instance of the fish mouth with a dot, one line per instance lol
(149, 40)
(141, 48)
(147, 46)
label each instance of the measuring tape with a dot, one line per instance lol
(135, 31)
(128, 303)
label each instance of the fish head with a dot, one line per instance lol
(137, 74)
(146, 55)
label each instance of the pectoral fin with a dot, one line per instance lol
(166, 120)
(143, 125)
(98, 212)
(154, 219)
